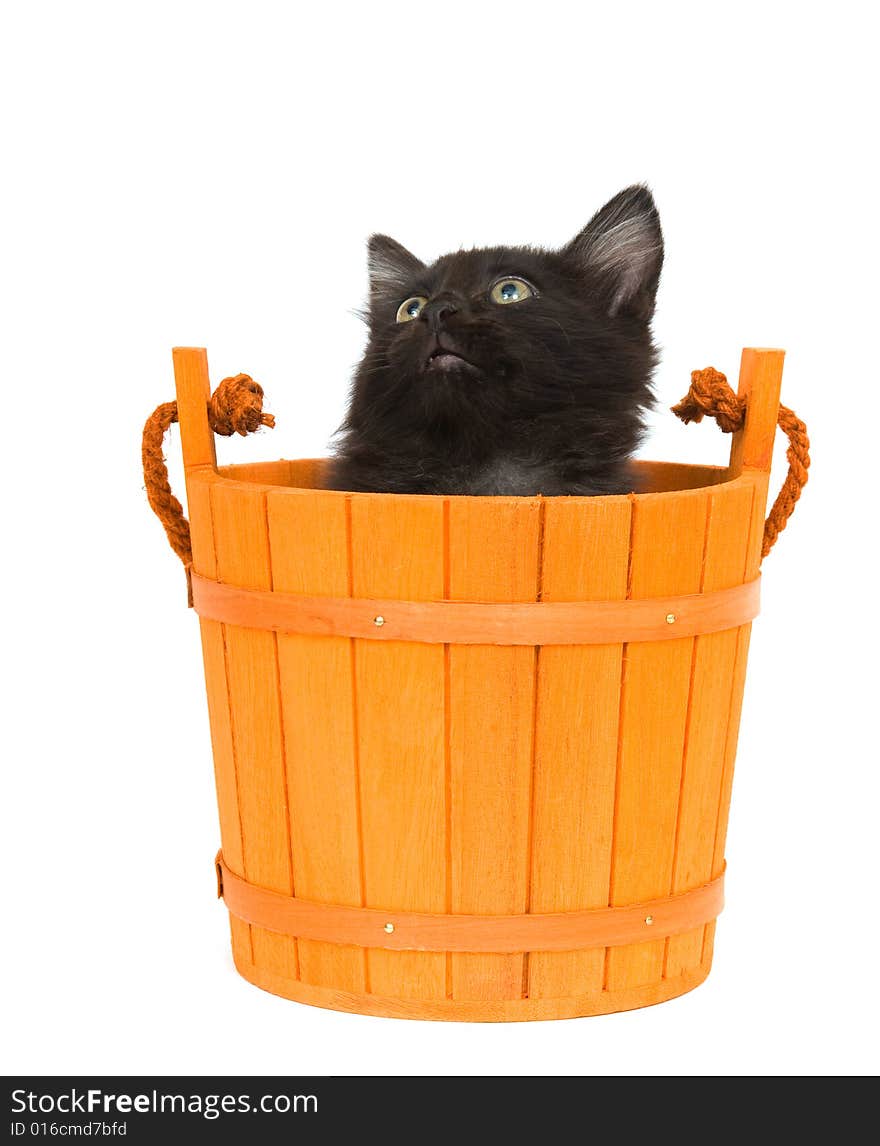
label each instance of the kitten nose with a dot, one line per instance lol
(437, 312)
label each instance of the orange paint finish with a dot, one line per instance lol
(434, 776)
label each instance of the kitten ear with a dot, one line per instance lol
(392, 269)
(621, 249)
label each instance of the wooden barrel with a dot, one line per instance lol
(474, 754)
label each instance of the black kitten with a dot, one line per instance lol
(510, 370)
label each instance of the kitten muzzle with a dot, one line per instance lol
(445, 356)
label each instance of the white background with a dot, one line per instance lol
(207, 174)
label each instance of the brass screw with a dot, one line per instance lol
(378, 622)
(670, 618)
(389, 927)
(649, 919)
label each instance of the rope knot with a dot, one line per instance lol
(710, 394)
(236, 407)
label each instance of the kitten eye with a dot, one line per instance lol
(510, 290)
(410, 309)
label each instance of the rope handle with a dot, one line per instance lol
(711, 394)
(235, 407)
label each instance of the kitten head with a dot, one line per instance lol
(482, 342)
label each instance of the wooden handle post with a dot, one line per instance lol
(760, 380)
(193, 394)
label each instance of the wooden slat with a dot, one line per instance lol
(730, 510)
(660, 477)
(242, 546)
(308, 536)
(214, 658)
(312, 472)
(263, 473)
(586, 550)
(760, 382)
(197, 446)
(494, 555)
(667, 552)
(752, 567)
(302, 473)
(397, 550)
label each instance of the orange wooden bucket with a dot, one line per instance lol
(474, 754)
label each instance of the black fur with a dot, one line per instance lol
(551, 394)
